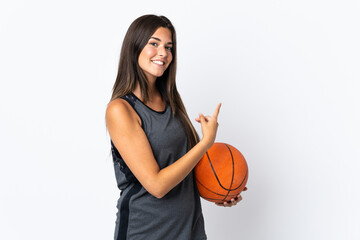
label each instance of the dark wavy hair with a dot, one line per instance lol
(130, 73)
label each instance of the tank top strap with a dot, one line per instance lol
(130, 99)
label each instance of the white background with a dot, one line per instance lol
(287, 73)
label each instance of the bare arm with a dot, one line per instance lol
(129, 138)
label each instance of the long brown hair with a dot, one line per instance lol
(130, 73)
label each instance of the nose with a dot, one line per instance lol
(162, 51)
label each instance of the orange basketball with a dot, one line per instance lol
(222, 173)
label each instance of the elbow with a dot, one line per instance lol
(156, 189)
(158, 195)
(157, 192)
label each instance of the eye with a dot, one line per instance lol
(153, 44)
(168, 48)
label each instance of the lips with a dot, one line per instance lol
(158, 62)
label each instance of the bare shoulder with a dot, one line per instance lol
(120, 111)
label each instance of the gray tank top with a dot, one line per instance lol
(178, 214)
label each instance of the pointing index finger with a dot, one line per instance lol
(217, 110)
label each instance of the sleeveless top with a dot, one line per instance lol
(140, 215)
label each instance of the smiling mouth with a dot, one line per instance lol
(160, 63)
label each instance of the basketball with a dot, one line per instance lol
(222, 173)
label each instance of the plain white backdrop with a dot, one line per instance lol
(287, 73)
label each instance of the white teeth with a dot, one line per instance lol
(158, 62)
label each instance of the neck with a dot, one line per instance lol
(153, 92)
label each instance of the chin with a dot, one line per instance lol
(158, 74)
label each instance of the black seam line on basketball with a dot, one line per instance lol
(222, 194)
(211, 190)
(220, 199)
(219, 193)
(219, 180)
(232, 177)
(233, 189)
(212, 167)
(246, 174)
(227, 189)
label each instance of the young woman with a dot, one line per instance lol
(154, 145)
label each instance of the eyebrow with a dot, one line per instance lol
(160, 40)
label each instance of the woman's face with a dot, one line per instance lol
(156, 56)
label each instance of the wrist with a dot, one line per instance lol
(206, 143)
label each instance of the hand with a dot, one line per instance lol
(232, 202)
(209, 126)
